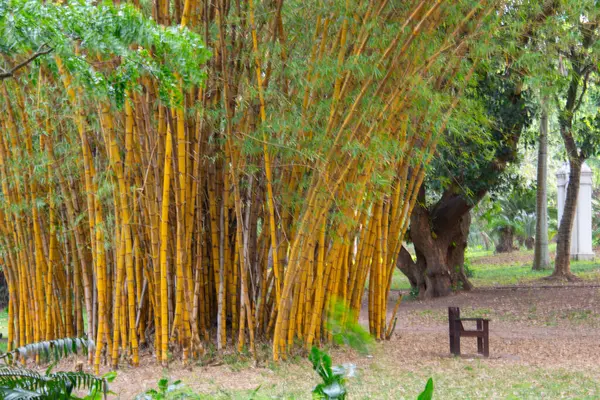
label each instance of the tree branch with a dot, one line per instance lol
(588, 70)
(38, 53)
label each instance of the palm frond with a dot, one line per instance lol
(49, 385)
(81, 380)
(19, 394)
(56, 349)
(21, 383)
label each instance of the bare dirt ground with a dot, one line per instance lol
(534, 326)
(544, 343)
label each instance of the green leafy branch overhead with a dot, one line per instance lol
(105, 47)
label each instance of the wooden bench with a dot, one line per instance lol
(457, 331)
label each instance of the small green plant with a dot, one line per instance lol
(427, 394)
(334, 378)
(414, 293)
(169, 390)
(22, 383)
(345, 329)
(457, 287)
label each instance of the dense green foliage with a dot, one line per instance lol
(346, 330)
(515, 210)
(472, 161)
(84, 35)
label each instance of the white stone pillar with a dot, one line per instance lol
(581, 235)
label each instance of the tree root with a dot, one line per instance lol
(569, 277)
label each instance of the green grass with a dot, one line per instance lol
(3, 329)
(460, 379)
(4, 322)
(479, 251)
(502, 275)
(453, 378)
(400, 281)
(485, 275)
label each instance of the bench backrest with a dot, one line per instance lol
(453, 313)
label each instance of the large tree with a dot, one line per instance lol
(439, 228)
(468, 166)
(579, 130)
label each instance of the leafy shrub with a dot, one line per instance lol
(334, 378)
(414, 293)
(21, 383)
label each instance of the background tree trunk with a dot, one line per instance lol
(541, 257)
(529, 243)
(562, 264)
(486, 240)
(506, 240)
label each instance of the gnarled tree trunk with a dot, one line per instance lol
(439, 267)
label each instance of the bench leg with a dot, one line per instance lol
(480, 339)
(454, 331)
(486, 339)
(455, 344)
(456, 338)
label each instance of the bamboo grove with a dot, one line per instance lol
(238, 198)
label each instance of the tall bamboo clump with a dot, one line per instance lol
(171, 214)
